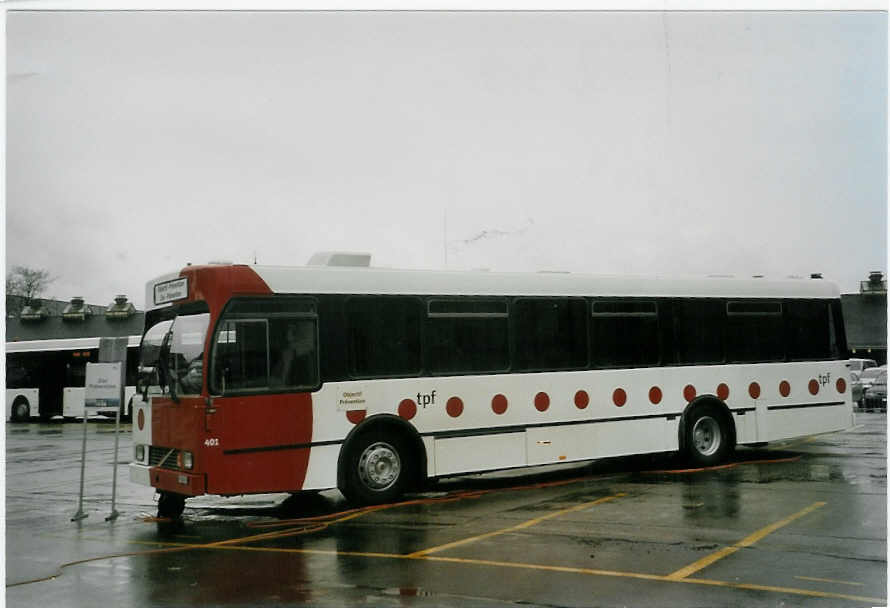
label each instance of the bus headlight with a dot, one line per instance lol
(185, 459)
(139, 452)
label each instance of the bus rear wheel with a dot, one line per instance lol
(377, 469)
(170, 505)
(21, 410)
(708, 440)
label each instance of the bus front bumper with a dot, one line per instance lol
(178, 482)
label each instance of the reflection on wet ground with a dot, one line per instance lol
(800, 522)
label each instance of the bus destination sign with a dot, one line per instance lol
(170, 291)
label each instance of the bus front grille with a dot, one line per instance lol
(167, 456)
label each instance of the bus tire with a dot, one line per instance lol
(708, 439)
(377, 468)
(170, 505)
(21, 409)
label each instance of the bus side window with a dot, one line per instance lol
(699, 328)
(549, 333)
(384, 336)
(467, 335)
(242, 356)
(807, 329)
(294, 353)
(624, 333)
(754, 331)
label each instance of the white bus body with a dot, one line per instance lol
(477, 421)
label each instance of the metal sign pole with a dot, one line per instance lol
(117, 429)
(83, 457)
(114, 350)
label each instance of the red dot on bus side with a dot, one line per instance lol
(542, 402)
(407, 409)
(655, 395)
(619, 397)
(454, 407)
(841, 385)
(582, 400)
(499, 404)
(355, 416)
(784, 388)
(754, 390)
(814, 387)
(140, 419)
(689, 392)
(723, 391)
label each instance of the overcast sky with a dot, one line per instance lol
(638, 142)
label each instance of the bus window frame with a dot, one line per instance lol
(421, 318)
(755, 314)
(226, 316)
(830, 327)
(656, 315)
(677, 333)
(433, 316)
(513, 320)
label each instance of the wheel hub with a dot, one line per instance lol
(706, 436)
(379, 466)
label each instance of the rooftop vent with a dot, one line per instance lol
(120, 308)
(816, 275)
(340, 258)
(875, 284)
(76, 310)
(33, 312)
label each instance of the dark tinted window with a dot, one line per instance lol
(698, 330)
(549, 333)
(808, 329)
(754, 332)
(241, 358)
(624, 333)
(266, 344)
(467, 336)
(383, 335)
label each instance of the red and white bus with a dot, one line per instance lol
(283, 379)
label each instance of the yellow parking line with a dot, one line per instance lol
(745, 542)
(523, 525)
(829, 580)
(566, 569)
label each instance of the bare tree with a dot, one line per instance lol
(28, 283)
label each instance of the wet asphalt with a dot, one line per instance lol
(800, 523)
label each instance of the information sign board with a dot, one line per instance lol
(103, 385)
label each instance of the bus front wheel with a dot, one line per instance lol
(170, 505)
(21, 410)
(377, 469)
(708, 439)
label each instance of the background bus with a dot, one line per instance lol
(46, 378)
(406, 375)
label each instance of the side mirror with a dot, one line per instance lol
(146, 376)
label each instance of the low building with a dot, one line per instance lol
(865, 319)
(49, 342)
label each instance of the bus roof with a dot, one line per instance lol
(385, 281)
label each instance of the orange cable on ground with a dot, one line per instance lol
(726, 466)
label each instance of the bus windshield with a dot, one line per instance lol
(173, 351)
